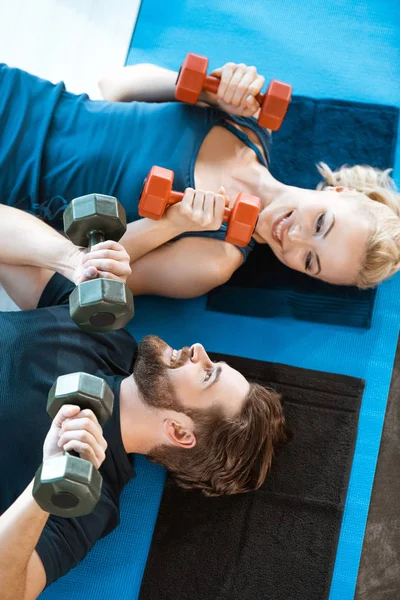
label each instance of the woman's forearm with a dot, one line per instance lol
(20, 528)
(143, 83)
(145, 235)
(25, 240)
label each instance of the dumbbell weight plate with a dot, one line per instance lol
(69, 485)
(101, 305)
(85, 390)
(191, 78)
(275, 105)
(94, 212)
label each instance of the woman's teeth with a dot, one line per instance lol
(278, 230)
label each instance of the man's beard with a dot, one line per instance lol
(151, 374)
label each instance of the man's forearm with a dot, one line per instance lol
(20, 528)
(25, 240)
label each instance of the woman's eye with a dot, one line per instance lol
(320, 222)
(308, 261)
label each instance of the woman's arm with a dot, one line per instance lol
(22, 575)
(141, 82)
(186, 268)
(145, 235)
(197, 211)
(149, 83)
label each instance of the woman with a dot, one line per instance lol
(56, 146)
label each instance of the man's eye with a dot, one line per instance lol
(308, 261)
(320, 223)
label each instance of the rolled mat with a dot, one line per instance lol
(279, 542)
(263, 286)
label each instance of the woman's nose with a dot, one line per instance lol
(296, 234)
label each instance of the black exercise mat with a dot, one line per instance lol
(336, 132)
(278, 543)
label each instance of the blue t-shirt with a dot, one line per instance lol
(37, 346)
(56, 146)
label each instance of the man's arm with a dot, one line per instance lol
(22, 575)
(24, 285)
(31, 251)
(27, 241)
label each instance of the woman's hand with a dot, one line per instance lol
(198, 210)
(76, 430)
(108, 260)
(237, 90)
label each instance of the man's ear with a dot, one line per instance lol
(179, 434)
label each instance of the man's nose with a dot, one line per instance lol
(199, 354)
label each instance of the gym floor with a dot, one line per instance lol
(379, 573)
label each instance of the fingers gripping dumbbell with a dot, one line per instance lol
(100, 304)
(157, 195)
(193, 78)
(67, 485)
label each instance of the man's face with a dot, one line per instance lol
(186, 379)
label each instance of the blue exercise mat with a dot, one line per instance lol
(343, 50)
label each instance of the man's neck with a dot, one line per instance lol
(140, 424)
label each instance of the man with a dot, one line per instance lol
(202, 420)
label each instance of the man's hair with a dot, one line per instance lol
(232, 454)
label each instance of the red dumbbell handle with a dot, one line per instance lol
(211, 84)
(176, 197)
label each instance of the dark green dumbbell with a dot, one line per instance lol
(99, 304)
(67, 485)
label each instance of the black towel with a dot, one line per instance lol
(336, 132)
(278, 543)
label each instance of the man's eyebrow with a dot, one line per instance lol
(218, 372)
(323, 237)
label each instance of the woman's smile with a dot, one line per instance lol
(279, 227)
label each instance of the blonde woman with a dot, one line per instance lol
(57, 145)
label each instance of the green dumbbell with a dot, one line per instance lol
(67, 485)
(99, 304)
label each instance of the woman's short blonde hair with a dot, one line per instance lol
(381, 200)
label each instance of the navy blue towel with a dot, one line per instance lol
(336, 132)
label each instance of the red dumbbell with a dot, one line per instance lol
(193, 78)
(157, 195)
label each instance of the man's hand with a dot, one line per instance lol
(76, 430)
(108, 260)
(237, 90)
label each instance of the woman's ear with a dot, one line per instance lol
(338, 188)
(178, 434)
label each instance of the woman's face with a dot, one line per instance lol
(321, 233)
